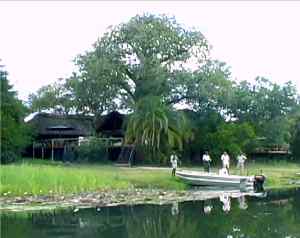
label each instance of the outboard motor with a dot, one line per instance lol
(259, 182)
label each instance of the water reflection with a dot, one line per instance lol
(242, 202)
(207, 206)
(174, 208)
(277, 215)
(225, 199)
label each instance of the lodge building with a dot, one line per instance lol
(56, 135)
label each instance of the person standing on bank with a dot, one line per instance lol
(241, 158)
(174, 162)
(225, 161)
(206, 161)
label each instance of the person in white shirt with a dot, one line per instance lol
(174, 162)
(206, 161)
(241, 158)
(225, 160)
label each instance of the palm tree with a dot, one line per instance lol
(156, 127)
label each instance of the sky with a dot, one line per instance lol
(39, 39)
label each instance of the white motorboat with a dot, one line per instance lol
(214, 179)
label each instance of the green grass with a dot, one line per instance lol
(42, 177)
(46, 177)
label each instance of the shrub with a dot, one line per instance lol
(93, 150)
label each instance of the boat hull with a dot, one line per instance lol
(213, 179)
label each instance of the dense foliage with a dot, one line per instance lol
(53, 97)
(15, 135)
(295, 142)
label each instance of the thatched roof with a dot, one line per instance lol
(55, 125)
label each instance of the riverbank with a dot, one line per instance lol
(53, 183)
(48, 178)
(117, 197)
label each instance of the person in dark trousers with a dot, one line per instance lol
(206, 161)
(174, 162)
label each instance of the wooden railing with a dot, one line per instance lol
(276, 149)
(60, 143)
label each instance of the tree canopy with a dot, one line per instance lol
(146, 56)
(152, 64)
(14, 133)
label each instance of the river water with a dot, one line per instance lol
(271, 216)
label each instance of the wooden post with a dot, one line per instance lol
(33, 150)
(52, 149)
(42, 151)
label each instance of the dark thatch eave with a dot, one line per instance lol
(55, 125)
(111, 124)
